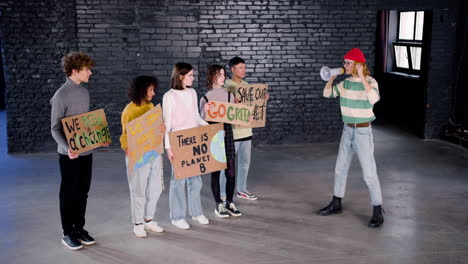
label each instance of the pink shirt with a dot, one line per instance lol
(180, 111)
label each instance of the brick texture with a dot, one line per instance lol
(285, 43)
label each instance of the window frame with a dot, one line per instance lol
(408, 44)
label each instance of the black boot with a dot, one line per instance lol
(333, 208)
(377, 217)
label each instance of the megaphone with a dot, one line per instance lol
(326, 73)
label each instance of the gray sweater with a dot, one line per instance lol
(70, 99)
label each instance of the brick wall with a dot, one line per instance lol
(35, 36)
(285, 43)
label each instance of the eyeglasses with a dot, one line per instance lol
(347, 63)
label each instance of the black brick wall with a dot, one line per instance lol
(285, 43)
(35, 36)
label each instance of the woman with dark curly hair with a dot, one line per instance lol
(145, 182)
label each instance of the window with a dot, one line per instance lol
(408, 46)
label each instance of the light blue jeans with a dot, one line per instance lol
(177, 201)
(243, 153)
(361, 141)
(146, 185)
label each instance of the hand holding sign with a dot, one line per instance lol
(72, 155)
(170, 155)
(208, 106)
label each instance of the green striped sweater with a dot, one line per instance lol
(356, 104)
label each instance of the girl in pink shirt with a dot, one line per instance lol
(180, 111)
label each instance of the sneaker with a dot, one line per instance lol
(246, 195)
(232, 209)
(201, 219)
(220, 211)
(153, 227)
(139, 230)
(71, 242)
(84, 238)
(181, 223)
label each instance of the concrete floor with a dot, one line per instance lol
(425, 192)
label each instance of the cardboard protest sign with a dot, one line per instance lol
(86, 131)
(144, 138)
(237, 114)
(198, 150)
(253, 95)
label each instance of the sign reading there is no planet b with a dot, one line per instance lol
(198, 151)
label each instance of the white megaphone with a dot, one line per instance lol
(326, 73)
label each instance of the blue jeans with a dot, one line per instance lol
(177, 204)
(243, 153)
(361, 141)
(145, 186)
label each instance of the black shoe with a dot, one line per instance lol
(71, 242)
(377, 217)
(333, 208)
(221, 210)
(84, 238)
(232, 209)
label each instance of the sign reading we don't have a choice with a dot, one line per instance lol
(86, 131)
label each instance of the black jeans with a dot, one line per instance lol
(230, 173)
(74, 188)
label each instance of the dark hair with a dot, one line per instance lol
(234, 61)
(180, 69)
(76, 61)
(138, 88)
(211, 74)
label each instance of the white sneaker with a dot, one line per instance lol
(181, 223)
(139, 230)
(153, 226)
(201, 219)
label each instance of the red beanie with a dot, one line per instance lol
(355, 54)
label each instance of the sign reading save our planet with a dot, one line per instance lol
(198, 150)
(253, 95)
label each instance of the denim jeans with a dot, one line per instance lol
(145, 184)
(361, 141)
(177, 203)
(243, 152)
